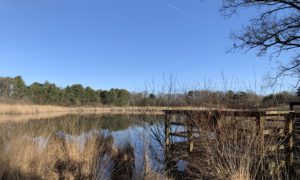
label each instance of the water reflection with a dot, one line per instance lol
(81, 146)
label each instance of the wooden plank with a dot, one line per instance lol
(179, 134)
(222, 112)
(178, 124)
(277, 112)
(241, 113)
(275, 120)
(292, 104)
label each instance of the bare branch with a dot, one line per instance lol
(275, 29)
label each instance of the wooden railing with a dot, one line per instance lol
(286, 135)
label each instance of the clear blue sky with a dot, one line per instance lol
(122, 43)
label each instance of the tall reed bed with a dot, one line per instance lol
(53, 155)
(74, 147)
(38, 109)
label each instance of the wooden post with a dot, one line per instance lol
(289, 156)
(167, 134)
(261, 132)
(257, 120)
(291, 106)
(189, 122)
(216, 118)
(218, 124)
(260, 123)
(169, 161)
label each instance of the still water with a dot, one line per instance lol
(144, 133)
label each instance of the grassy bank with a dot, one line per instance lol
(38, 109)
(23, 112)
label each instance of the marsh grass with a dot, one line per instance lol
(72, 148)
(235, 152)
(36, 109)
(54, 157)
(229, 156)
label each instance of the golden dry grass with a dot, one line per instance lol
(22, 156)
(36, 109)
(31, 109)
(237, 154)
(39, 109)
(24, 112)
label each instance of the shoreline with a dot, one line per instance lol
(21, 109)
(25, 112)
(13, 109)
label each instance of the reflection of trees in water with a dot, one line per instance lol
(77, 124)
(63, 157)
(73, 162)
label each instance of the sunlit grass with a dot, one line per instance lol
(72, 147)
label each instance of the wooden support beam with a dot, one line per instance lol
(292, 104)
(237, 113)
(260, 126)
(167, 134)
(178, 123)
(190, 133)
(260, 123)
(179, 134)
(289, 143)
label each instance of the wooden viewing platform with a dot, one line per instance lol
(283, 125)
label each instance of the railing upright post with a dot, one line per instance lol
(189, 124)
(289, 145)
(167, 133)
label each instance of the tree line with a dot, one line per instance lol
(48, 93)
(15, 89)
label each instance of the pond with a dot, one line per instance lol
(83, 146)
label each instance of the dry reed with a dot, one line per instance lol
(236, 153)
(23, 157)
(36, 109)
(26, 153)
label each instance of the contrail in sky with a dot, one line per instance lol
(180, 10)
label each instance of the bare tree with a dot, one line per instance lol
(274, 30)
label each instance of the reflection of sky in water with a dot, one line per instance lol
(139, 138)
(138, 135)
